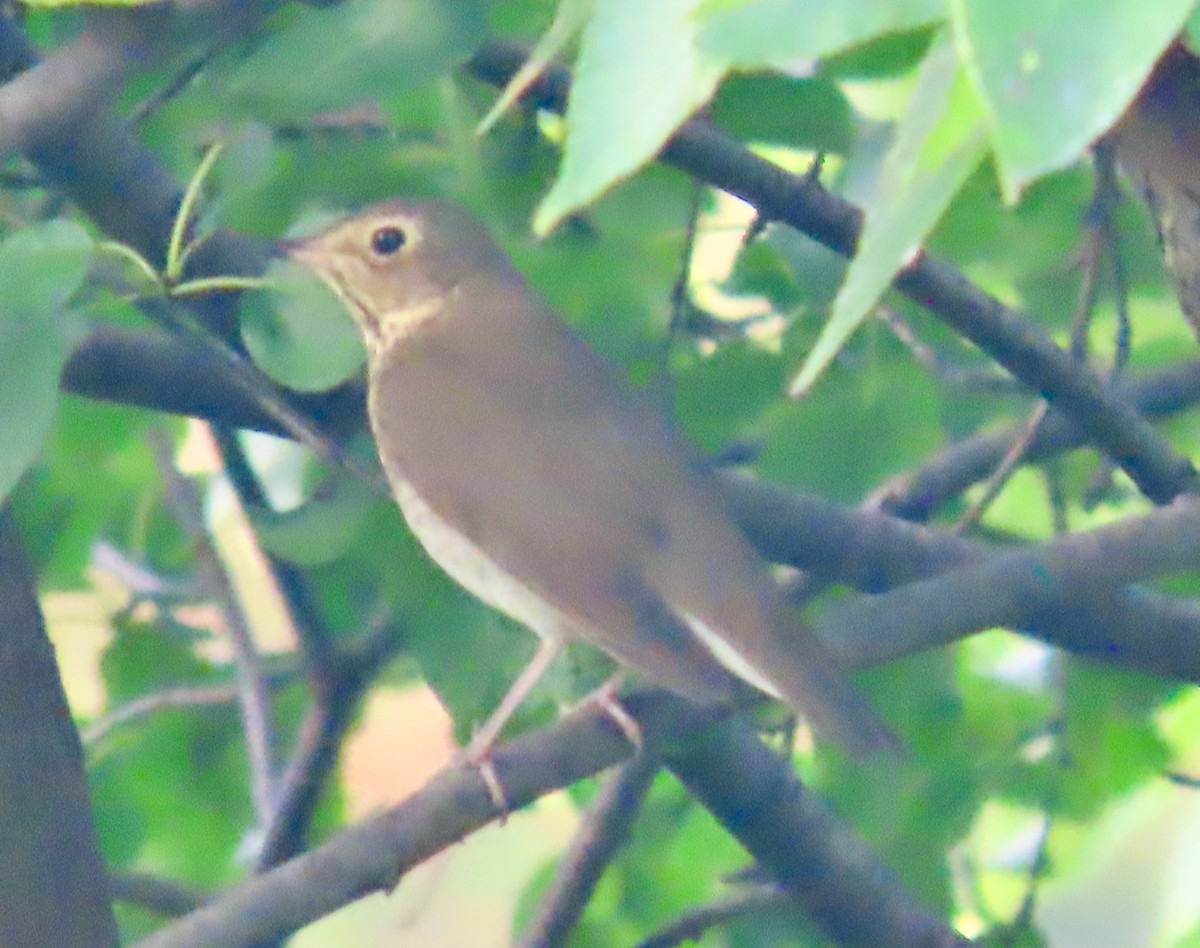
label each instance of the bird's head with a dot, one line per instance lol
(396, 264)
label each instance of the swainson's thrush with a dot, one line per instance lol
(549, 490)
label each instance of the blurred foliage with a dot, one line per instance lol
(961, 126)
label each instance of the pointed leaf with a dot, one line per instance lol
(637, 78)
(569, 19)
(41, 266)
(938, 143)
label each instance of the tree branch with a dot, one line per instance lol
(56, 886)
(827, 869)
(1018, 588)
(918, 494)
(604, 830)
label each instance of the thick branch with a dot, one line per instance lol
(1115, 623)
(374, 854)
(1020, 587)
(157, 370)
(832, 873)
(918, 494)
(56, 887)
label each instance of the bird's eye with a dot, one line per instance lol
(387, 240)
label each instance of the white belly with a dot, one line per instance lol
(472, 569)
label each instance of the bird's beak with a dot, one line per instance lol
(297, 248)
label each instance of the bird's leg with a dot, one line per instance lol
(481, 744)
(486, 735)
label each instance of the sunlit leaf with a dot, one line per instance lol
(1053, 76)
(753, 34)
(638, 76)
(937, 145)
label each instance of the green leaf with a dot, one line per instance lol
(868, 421)
(1053, 76)
(33, 351)
(611, 276)
(755, 34)
(926, 803)
(322, 529)
(298, 331)
(885, 56)
(937, 145)
(1111, 733)
(768, 107)
(790, 268)
(719, 394)
(352, 53)
(172, 755)
(1191, 939)
(637, 78)
(41, 266)
(1192, 29)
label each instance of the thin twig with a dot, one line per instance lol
(603, 831)
(1182, 779)
(253, 695)
(141, 582)
(174, 86)
(1004, 470)
(680, 293)
(182, 696)
(691, 926)
(980, 380)
(1097, 222)
(187, 696)
(1108, 196)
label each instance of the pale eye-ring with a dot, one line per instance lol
(387, 240)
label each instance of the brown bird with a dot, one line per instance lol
(549, 490)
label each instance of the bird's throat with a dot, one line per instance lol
(396, 325)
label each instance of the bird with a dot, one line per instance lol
(553, 491)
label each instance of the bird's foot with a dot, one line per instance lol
(478, 754)
(606, 699)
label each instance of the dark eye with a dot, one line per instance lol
(387, 240)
